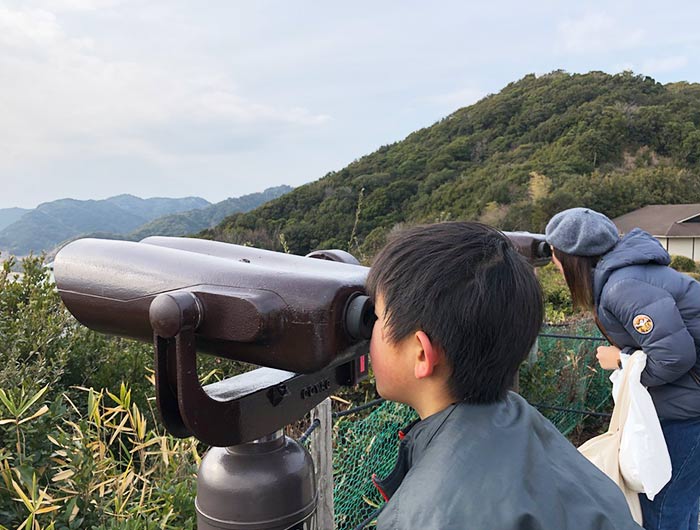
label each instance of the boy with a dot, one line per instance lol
(458, 310)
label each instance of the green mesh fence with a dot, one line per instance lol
(564, 374)
(363, 447)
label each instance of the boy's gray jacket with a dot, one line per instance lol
(644, 304)
(501, 466)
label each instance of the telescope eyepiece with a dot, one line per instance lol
(359, 317)
(544, 250)
(533, 247)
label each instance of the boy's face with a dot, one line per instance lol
(393, 369)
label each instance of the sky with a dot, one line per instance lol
(222, 98)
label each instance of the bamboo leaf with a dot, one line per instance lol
(27, 502)
(62, 475)
(139, 447)
(43, 410)
(119, 429)
(114, 398)
(73, 509)
(370, 502)
(8, 402)
(36, 397)
(47, 509)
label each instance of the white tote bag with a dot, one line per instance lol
(644, 460)
(604, 450)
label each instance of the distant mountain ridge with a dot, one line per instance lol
(156, 207)
(122, 216)
(10, 215)
(193, 221)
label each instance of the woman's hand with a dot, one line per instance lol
(608, 357)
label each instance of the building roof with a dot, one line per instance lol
(663, 220)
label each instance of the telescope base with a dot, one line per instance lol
(267, 484)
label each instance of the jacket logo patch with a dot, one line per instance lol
(643, 324)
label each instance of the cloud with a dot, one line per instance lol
(27, 29)
(78, 5)
(664, 64)
(62, 94)
(596, 33)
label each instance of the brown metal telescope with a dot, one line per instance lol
(306, 321)
(266, 308)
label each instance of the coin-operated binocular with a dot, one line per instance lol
(305, 321)
(533, 247)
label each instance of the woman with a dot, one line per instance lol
(641, 303)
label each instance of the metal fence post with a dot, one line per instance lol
(321, 445)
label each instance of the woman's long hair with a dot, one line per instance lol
(578, 273)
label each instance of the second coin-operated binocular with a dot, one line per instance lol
(305, 321)
(532, 246)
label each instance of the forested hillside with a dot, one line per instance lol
(611, 142)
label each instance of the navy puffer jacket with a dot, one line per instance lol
(644, 304)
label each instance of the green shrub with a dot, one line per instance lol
(41, 344)
(107, 465)
(71, 457)
(683, 264)
(557, 299)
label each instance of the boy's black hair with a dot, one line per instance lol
(469, 290)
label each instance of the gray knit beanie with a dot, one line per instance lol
(581, 232)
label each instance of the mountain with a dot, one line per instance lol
(542, 144)
(193, 221)
(156, 207)
(10, 215)
(53, 222)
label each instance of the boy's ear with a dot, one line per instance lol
(427, 358)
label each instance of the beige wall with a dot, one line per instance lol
(684, 246)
